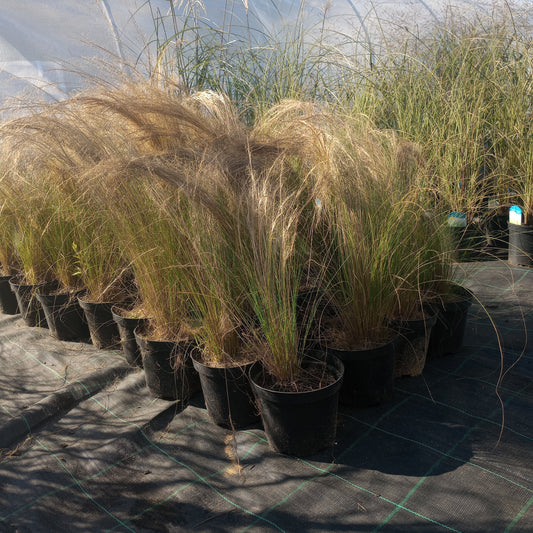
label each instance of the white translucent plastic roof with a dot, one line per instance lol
(43, 43)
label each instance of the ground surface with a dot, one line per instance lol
(84, 447)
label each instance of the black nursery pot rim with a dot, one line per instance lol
(47, 289)
(117, 310)
(429, 320)
(83, 299)
(198, 358)
(295, 397)
(140, 333)
(363, 354)
(18, 282)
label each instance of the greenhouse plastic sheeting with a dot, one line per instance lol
(86, 448)
(44, 44)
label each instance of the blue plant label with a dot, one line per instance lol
(515, 215)
(456, 219)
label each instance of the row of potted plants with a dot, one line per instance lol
(295, 252)
(461, 90)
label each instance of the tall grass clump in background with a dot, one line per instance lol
(459, 91)
(255, 68)
(461, 94)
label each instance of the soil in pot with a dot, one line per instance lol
(8, 300)
(412, 345)
(368, 374)
(126, 326)
(102, 328)
(520, 245)
(299, 423)
(168, 367)
(64, 316)
(448, 332)
(30, 309)
(227, 393)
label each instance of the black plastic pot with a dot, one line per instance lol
(126, 327)
(64, 316)
(448, 332)
(299, 423)
(227, 393)
(520, 245)
(8, 300)
(165, 378)
(368, 375)
(102, 327)
(412, 345)
(30, 309)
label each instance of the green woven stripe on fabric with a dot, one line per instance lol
(326, 471)
(445, 454)
(519, 515)
(177, 491)
(462, 411)
(381, 497)
(428, 473)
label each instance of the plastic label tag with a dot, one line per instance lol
(515, 215)
(456, 219)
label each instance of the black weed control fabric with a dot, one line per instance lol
(85, 448)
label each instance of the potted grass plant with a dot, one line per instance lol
(417, 257)
(22, 221)
(520, 221)
(59, 299)
(32, 214)
(297, 395)
(56, 233)
(297, 392)
(361, 293)
(370, 221)
(103, 270)
(34, 273)
(147, 215)
(451, 304)
(222, 359)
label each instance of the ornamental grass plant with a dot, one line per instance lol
(462, 94)
(55, 146)
(33, 212)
